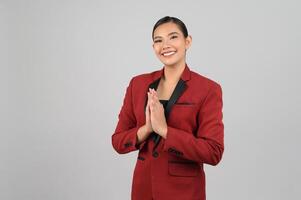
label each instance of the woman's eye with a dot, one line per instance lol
(172, 37)
(156, 41)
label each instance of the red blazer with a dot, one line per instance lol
(172, 168)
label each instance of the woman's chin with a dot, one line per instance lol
(169, 63)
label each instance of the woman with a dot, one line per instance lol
(173, 117)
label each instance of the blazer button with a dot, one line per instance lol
(128, 144)
(155, 154)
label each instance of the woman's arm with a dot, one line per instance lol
(128, 136)
(142, 134)
(207, 144)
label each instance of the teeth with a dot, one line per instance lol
(168, 54)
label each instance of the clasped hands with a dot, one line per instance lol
(154, 115)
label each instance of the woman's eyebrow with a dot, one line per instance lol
(168, 34)
(157, 37)
(173, 33)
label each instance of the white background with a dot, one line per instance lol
(65, 66)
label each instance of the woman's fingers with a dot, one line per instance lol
(154, 101)
(148, 100)
(154, 95)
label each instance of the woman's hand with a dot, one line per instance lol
(145, 130)
(157, 117)
(148, 125)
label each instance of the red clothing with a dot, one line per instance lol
(195, 136)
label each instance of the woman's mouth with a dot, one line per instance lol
(166, 54)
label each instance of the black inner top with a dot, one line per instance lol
(163, 102)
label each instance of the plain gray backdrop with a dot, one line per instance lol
(65, 66)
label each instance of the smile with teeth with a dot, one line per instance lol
(169, 53)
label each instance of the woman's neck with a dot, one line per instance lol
(173, 73)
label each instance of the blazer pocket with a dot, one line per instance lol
(185, 103)
(182, 168)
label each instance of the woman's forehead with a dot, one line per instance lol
(166, 29)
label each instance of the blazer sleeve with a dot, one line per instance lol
(124, 138)
(207, 144)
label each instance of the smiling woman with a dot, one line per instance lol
(173, 117)
(171, 40)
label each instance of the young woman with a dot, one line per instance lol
(173, 117)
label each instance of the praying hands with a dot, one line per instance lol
(154, 118)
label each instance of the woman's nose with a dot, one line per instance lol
(166, 43)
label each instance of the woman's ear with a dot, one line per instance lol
(188, 42)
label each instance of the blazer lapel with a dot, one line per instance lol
(180, 87)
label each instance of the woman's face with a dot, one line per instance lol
(170, 44)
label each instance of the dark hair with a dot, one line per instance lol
(175, 20)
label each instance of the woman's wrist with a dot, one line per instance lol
(142, 133)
